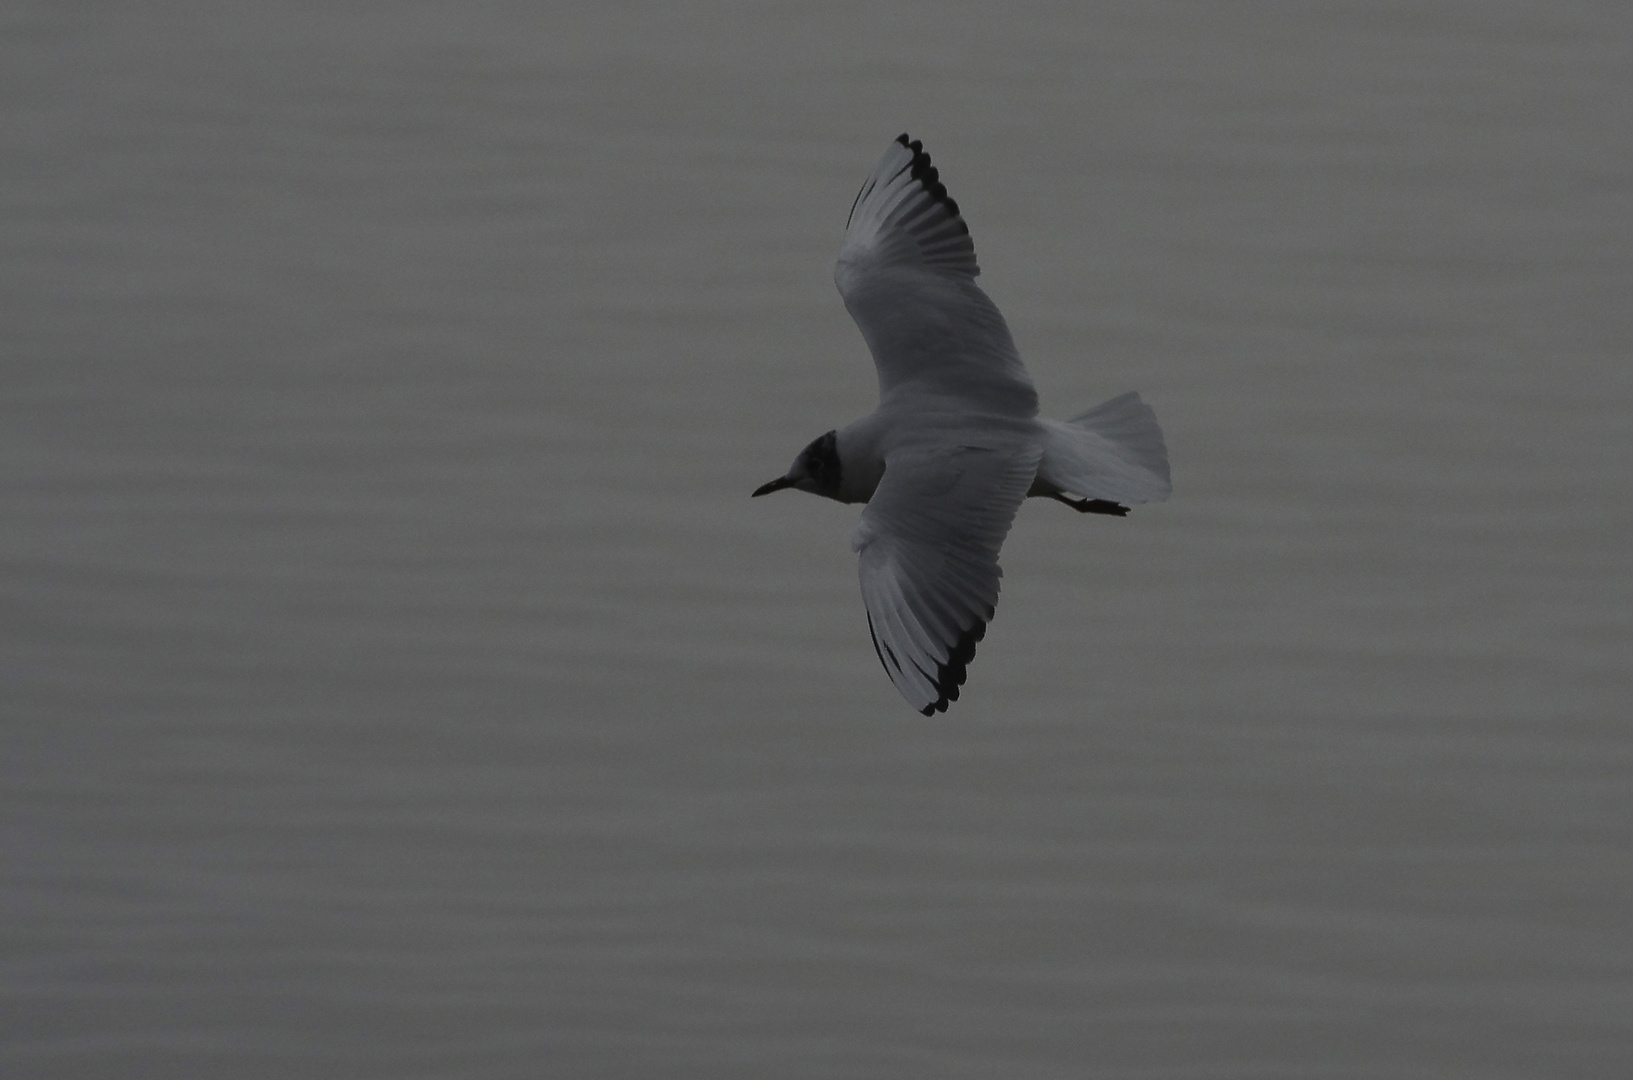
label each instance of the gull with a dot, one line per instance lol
(956, 443)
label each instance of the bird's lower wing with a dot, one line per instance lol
(928, 544)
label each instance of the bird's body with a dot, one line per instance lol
(956, 443)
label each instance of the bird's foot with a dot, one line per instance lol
(1092, 506)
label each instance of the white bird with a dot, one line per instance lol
(956, 443)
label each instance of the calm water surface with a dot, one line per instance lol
(398, 682)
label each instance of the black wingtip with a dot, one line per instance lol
(929, 178)
(951, 675)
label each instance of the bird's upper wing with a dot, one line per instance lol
(907, 273)
(928, 543)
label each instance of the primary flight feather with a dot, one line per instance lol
(956, 443)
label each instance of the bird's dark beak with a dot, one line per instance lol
(776, 485)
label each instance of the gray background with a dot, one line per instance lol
(398, 681)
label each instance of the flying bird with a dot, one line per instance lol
(956, 443)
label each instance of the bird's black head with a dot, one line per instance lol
(816, 469)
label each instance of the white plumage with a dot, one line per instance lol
(956, 443)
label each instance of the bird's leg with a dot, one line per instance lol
(1092, 506)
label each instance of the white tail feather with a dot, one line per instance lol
(1114, 451)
